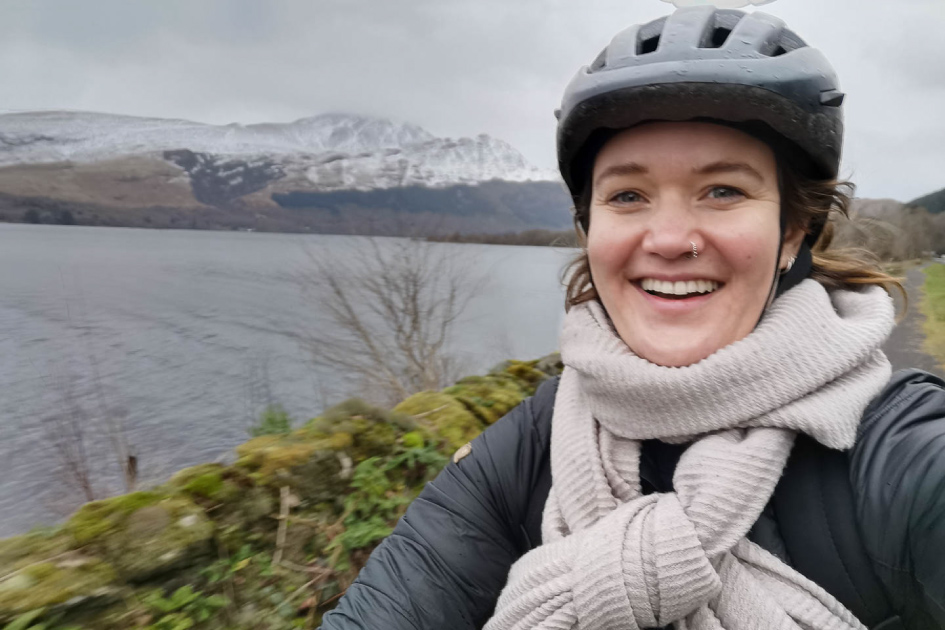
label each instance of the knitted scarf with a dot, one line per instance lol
(617, 559)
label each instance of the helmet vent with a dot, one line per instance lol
(788, 42)
(719, 37)
(600, 62)
(649, 45)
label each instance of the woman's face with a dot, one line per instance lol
(657, 189)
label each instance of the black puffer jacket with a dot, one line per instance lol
(448, 558)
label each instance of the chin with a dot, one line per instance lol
(675, 357)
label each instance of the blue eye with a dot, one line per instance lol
(626, 197)
(725, 192)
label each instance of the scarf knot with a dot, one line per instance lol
(616, 559)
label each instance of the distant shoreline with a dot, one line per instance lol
(526, 238)
(539, 238)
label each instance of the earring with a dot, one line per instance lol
(695, 251)
(790, 265)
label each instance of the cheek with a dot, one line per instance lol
(751, 254)
(608, 248)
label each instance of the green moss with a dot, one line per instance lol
(271, 461)
(359, 429)
(322, 478)
(525, 373)
(340, 441)
(40, 571)
(57, 583)
(205, 480)
(488, 397)
(144, 533)
(414, 439)
(109, 550)
(371, 438)
(337, 419)
(445, 416)
(158, 538)
(19, 551)
(98, 518)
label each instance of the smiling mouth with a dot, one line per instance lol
(679, 290)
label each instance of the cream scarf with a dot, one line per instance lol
(616, 559)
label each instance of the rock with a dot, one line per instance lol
(204, 480)
(269, 456)
(550, 364)
(189, 521)
(488, 397)
(40, 572)
(112, 549)
(314, 472)
(445, 416)
(527, 373)
(320, 478)
(360, 429)
(159, 535)
(98, 518)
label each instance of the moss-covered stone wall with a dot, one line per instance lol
(271, 541)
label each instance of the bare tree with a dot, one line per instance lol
(388, 311)
(111, 422)
(85, 430)
(82, 426)
(889, 230)
(258, 394)
(67, 432)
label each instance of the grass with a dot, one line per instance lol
(932, 305)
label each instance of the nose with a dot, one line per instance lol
(671, 229)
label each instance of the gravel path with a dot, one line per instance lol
(904, 347)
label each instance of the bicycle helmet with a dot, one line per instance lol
(701, 63)
(746, 70)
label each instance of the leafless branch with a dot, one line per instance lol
(389, 309)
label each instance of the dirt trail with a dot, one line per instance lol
(904, 347)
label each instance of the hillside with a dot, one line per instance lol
(933, 202)
(333, 173)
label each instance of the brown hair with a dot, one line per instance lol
(805, 201)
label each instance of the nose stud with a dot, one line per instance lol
(695, 251)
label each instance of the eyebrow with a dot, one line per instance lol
(633, 168)
(627, 168)
(729, 167)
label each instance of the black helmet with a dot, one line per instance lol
(747, 70)
(704, 63)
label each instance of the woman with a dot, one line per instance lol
(704, 342)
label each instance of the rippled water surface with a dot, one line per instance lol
(178, 332)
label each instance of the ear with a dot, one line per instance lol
(793, 237)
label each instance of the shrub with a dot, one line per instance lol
(275, 420)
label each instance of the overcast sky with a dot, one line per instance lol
(455, 67)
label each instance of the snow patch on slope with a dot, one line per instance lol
(330, 151)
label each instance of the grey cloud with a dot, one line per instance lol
(456, 67)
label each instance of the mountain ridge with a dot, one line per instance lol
(66, 136)
(934, 202)
(104, 163)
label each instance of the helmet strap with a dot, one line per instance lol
(782, 281)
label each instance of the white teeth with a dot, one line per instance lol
(688, 287)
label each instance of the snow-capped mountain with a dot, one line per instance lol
(331, 151)
(333, 173)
